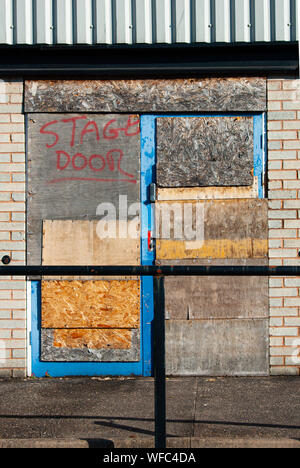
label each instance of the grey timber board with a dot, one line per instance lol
(215, 261)
(232, 219)
(217, 347)
(49, 352)
(216, 297)
(158, 95)
(72, 169)
(204, 151)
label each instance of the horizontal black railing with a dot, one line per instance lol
(158, 273)
(149, 270)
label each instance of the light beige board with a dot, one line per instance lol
(67, 242)
(78, 242)
(207, 193)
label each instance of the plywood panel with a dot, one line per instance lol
(204, 151)
(158, 95)
(67, 242)
(217, 347)
(90, 345)
(207, 193)
(231, 229)
(76, 163)
(90, 304)
(224, 297)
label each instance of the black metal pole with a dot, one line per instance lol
(159, 362)
(146, 270)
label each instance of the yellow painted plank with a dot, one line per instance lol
(168, 249)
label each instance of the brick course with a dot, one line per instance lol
(12, 230)
(284, 237)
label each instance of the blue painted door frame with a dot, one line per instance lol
(144, 366)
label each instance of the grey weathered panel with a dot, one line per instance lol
(217, 347)
(231, 219)
(178, 95)
(51, 353)
(216, 297)
(99, 169)
(215, 261)
(204, 151)
(236, 219)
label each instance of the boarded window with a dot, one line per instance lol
(204, 151)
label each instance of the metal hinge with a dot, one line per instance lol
(152, 192)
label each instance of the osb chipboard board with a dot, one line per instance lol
(207, 193)
(205, 151)
(147, 95)
(217, 347)
(78, 167)
(67, 242)
(92, 339)
(222, 297)
(90, 345)
(231, 229)
(90, 304)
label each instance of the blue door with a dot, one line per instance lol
(142, 367)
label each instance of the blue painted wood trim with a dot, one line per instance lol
(147, 224)
(259, 156)
(259, 159)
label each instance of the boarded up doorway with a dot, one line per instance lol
(83, 209)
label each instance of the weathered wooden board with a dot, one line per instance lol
(214, 248)
(77, 163)
(204, 151)
(67, 242)
(90, 304)
(215, 261)
(219, 297)
(231, 229)
(207, 193)
(90, 345)
(217, 347)
(159, 95)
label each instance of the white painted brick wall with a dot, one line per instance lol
(284, 236)
(12, 230)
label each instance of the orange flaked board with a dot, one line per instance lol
(91, 304)
(93, 339)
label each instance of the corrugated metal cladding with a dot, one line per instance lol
(147, 21)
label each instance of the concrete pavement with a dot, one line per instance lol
(105, 412)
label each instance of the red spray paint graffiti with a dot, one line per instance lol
(95, 163)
